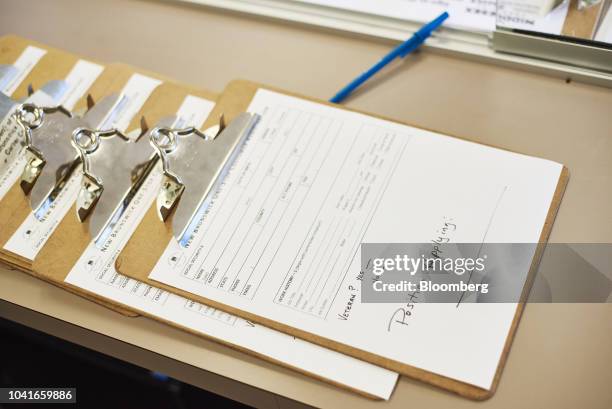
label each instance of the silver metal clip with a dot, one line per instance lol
(31, 117)
(13, 134)
(114, 168)
(184, 164)
(105, 156)
(48, 95)
(175, 157)
(51, 158)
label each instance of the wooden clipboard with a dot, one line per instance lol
(70, 238)
(152, 237)
(15, 206)
(63, 249)
(54, 64)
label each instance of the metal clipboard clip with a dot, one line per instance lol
(50, 157)
(49, 94)
(103, 158)
(12, 133)
(114, 168)
(182, 193)
(31, 118)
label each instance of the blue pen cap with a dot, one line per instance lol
(421, 34)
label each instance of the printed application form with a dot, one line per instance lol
(94, 271)
(473, 15)
(280, 238)
(470, 15)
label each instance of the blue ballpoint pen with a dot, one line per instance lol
(400, 51)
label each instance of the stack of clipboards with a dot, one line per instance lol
(112, 176)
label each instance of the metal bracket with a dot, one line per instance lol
(50, 156)
(184, 162)
(31, 119)
(103, 156)
(114, 168)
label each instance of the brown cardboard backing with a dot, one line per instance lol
(151, 238)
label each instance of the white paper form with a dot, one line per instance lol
(33, 233)
(529, 15)
(80, 79)
(604, 33)
(95, 272)
(470, 15)
(24, 64)
(281, 237)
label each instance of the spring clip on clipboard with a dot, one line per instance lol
(182, 193)
(51, 159)
(114, 168)
(12, 133)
